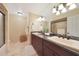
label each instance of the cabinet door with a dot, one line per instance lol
(47, 51)
(33, 41)
(37, 44)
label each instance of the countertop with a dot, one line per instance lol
(72, 45)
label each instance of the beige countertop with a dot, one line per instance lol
(70, 44)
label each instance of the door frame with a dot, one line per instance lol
(3, 27)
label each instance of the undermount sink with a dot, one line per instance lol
(64, 41)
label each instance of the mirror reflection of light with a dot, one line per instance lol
(41, 19)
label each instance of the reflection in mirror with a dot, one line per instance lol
(73, 25)
(59, 26)
(68, 26)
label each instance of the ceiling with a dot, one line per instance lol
(42, 9)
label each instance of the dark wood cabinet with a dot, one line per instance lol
(48, 52)
(57, 50)
(47, 48)
(37, 44)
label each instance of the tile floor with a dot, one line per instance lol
(18, 49)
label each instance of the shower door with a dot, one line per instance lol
(2, 29)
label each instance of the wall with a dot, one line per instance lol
(16, 27)
(36, 25)
(19, 25)
(45, 26)
(39, 25)
(31, 17)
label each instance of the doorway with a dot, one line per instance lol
(2, 29)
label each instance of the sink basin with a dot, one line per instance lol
(70, 43)
(53, 37)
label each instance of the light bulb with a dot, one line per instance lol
(72, 6)
(60, 7)
(41, 19)
(57, 13)
(54, 10)
(64, 10)
(68, 4)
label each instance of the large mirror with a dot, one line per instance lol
(68, 26)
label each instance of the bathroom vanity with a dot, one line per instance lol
(64, 43)
(47, 46)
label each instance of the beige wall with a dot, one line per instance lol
(19, 25)
(31, 17)
(16, 27)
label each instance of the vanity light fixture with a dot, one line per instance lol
(63, 8)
